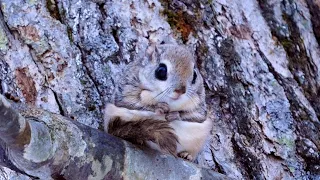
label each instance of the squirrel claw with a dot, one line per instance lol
(162, 108)
(185, 155)
(172, 116)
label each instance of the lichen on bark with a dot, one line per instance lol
(260, 61)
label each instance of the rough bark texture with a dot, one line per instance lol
(44, 145)
(260, 60)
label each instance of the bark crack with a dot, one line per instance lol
(218, 168)
(83, 60)
(245, 126)
(5, 26)
(62, 112)
(300, 64)
(314, 10)
(300, 114)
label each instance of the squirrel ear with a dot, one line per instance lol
(163, 47)
(152, 53)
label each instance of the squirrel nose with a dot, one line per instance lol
(180, 90)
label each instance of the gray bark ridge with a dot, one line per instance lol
(49, 146)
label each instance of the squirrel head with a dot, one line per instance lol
(172, 77)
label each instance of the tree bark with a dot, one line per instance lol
(260, 61)
(49, 146)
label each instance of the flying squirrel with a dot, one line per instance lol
(161, 103)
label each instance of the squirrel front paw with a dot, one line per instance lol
(173, 116)
(108, 115)
(162, 108)
(185, 155)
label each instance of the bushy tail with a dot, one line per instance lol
(139, 132)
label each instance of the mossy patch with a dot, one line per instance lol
(69, 31)
(3, 40)
(177, 22)
(53, 9)
(287, 43)
(286, 141)
(32, 2)
(180, 21)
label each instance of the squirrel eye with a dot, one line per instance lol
(161, 72)
(194, 77)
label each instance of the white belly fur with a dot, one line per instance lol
(191, 135)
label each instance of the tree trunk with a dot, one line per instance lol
(260, 60)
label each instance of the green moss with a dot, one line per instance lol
(181, 22)
(286, 43)
(286, 141)
(107, 69)
(178, 22)
(83, 82)
(53, 9)
(292, 169)
(3, 41)
(274, 83)
(32, 2)
(171, 17)
(204, 49)
(69, 31)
